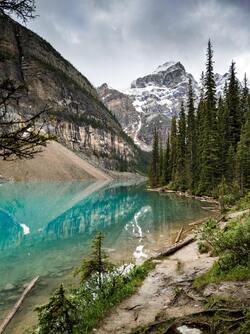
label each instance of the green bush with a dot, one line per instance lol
(212, 234)
(203, 247)
(232, 245)
(244, 202)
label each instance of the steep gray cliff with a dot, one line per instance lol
(77, 116)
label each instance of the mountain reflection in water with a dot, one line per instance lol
(46, 227)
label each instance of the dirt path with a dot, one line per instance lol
(167, 292)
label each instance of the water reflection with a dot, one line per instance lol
(46, 227)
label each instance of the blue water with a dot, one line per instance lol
(45, 228)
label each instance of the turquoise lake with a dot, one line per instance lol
(45, 230)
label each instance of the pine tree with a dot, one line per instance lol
(96, 264)
(234, 110)
(200, 124)
(210, 86)
(154, 168)
(161, 162)
(173, 149)
(58, 316)
(209, 160)
(243, 158)
(230, 165)
(245, 100)
(222, 136)
(167, 163)
(191, 139)
(181, 182)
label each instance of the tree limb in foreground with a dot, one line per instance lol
(20, 136)
(23, 9)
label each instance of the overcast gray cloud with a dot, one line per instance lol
(115, 41)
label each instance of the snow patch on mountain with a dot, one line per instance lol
(153, 99)
(164, 67)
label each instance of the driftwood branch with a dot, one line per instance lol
(177, 239)
(172, 249)
(12, 313)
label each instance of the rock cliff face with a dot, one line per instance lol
(77, 116)
(152, 100)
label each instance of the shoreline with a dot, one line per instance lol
(168, 293)
(186, 231)
(207, 199)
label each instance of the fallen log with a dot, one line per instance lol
(172, 249)
(177, 239)
(12, 313)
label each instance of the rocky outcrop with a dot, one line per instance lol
(77, 117)
(152, 100)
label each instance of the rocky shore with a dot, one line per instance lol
(168, 294)
(206, 199)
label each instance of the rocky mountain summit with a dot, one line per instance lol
(152, 100)
(77, 117)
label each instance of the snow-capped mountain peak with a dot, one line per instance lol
(164, 67)
(152, 100)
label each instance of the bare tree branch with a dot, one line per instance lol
(23, 9)
(21, 136)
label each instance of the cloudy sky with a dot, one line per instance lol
(116, 41)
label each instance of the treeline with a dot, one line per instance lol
(208, 147)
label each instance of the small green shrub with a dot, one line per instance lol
(244, 202)
(179, 267)
(203, 247)
(232, 245)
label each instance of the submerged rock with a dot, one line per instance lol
(188, 330)
(9, 287)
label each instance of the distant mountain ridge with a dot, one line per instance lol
(152, 100)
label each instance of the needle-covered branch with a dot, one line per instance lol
(23, 9)
(21, 135)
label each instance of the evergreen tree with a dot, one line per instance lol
(234, 110)
(210, 86)
(222, 136)
(191, 139)
(154, 169)
(181, 151)
(167, 163)
(161, 162)
(96, 264)
(173, 149)
(58, 316)
(245, 99)
(209, 160)
(200, 124)
(230, 165)
(243, 158)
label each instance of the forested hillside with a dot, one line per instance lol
(208, 147)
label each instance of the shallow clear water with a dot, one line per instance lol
(45, 228)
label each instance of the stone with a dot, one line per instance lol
(9, 287)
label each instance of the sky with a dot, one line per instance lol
(117, 41)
